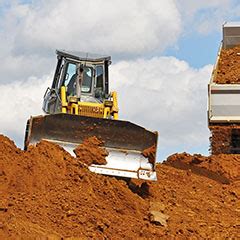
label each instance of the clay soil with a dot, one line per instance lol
(220, 139)
(91, 151)
(225, 139)
(47, 194)
(228, 71)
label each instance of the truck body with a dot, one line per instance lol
(224, 99)
(224, 94)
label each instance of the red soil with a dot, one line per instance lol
(228, 71)
(45, 193)
(225, 139)
(222, 167)
(91, 151)
(150, 153)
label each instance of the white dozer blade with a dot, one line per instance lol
(123, 140)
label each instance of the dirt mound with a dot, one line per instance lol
(198, 207)
(228, 71)
(48, 194)
(57, 194)
(223, 167)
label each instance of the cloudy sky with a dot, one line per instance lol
(163, 52)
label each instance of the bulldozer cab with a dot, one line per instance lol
(71, 66)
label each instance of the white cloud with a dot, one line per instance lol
(20, 68)
(206, 16)
(191, 7)
(18, 101)
(121, 27)
(166, 95)
(30, 32)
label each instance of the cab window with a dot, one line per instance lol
(99, 77)
(70, 79)
(87, 79)
(70, 72)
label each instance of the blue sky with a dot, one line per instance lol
(162, 52)
(198, 50)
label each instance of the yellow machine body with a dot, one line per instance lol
(107, 109)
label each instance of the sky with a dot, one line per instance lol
(163, 52)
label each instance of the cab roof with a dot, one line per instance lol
(83, 56)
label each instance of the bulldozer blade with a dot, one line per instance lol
(124, 141)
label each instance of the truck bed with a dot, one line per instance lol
(224, 86)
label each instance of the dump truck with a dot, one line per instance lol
(79, 105)
(224, 94)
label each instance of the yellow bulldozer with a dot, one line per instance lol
(79, 105)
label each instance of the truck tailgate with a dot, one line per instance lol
(224, 103)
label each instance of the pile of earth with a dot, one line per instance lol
(223, 168)
(228, 68)
(45, 193)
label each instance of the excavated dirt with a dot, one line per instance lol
(91, 151)
(220, 140)
(150, 153)
(225, 139)
(228, 71)
(223, 167)
(45, 193)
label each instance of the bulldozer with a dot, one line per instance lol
(79, 105)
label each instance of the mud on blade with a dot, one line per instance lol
(124, 141)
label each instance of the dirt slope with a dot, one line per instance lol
(223, 168)
(47, 194)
